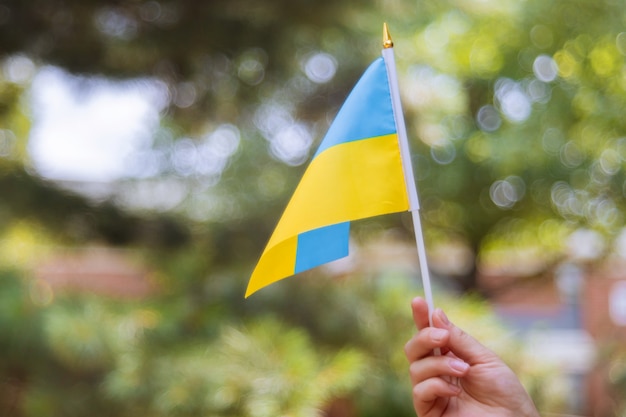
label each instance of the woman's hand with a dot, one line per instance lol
(467, 379)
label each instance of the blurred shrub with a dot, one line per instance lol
(296, 348)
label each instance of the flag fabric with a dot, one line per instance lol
(356, 173)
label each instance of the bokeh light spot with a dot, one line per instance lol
(320, 67)
(443, 153)
(539, 91)
(292, 144)
(552, 140)
(185, 95)
(184, 156)
(610, 161)
(505, 193)
(116, 23)
(488, 118)
(18, 69)
(604, 60)
(620, 42)
(7, 143)
(567, 64)
(251, 67)
(571, 155)
(541, 36)
(512, 100)
(545, 68)
(150, 11)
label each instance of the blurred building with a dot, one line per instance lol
(100, 270)
(572, 319)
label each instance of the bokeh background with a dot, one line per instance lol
(148, 148)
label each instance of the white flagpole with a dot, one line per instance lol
(408, 168)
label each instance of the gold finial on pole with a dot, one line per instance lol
(387, 42)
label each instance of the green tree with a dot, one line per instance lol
(514, 112)
(515, 118)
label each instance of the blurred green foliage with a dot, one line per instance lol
(87, 354)
(515, 113)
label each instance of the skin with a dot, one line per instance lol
(466, 380)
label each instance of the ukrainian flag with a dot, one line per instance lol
(356, 173)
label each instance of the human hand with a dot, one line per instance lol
(466, 380)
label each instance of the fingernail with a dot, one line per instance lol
(437, 335)
(458, 365)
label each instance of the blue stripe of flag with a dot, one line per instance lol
(322, 245)
(371, 106)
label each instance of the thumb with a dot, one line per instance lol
(462, 344)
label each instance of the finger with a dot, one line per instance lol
(423, 343)
(436, 366)
(460, 343)
(420, 312)
(430, 390)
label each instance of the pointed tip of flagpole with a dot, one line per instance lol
(387, 42)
